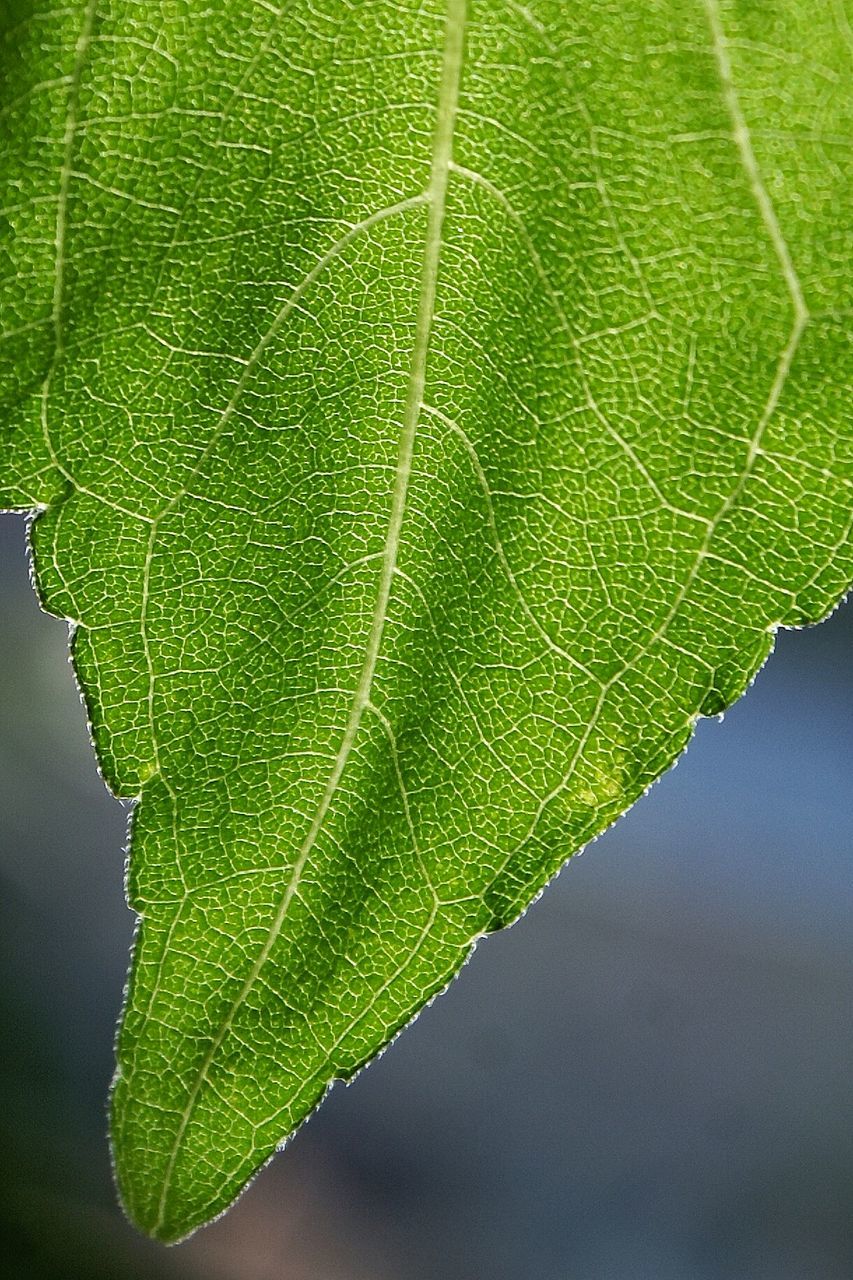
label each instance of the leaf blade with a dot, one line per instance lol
(423, 694)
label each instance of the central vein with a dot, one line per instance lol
(442, 154)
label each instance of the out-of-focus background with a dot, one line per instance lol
(647, 1078)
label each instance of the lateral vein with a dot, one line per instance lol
(81, 53)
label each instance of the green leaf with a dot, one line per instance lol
(432, 407)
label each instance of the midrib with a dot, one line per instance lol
(454, 33)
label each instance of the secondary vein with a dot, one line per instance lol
(81, 51)
(442, 154)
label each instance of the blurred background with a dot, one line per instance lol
(647, 1078)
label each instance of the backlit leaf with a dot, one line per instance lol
(432, 408)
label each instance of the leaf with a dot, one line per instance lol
(432, 409)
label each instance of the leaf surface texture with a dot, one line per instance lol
(432, 409)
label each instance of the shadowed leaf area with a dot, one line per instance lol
(432, 409)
